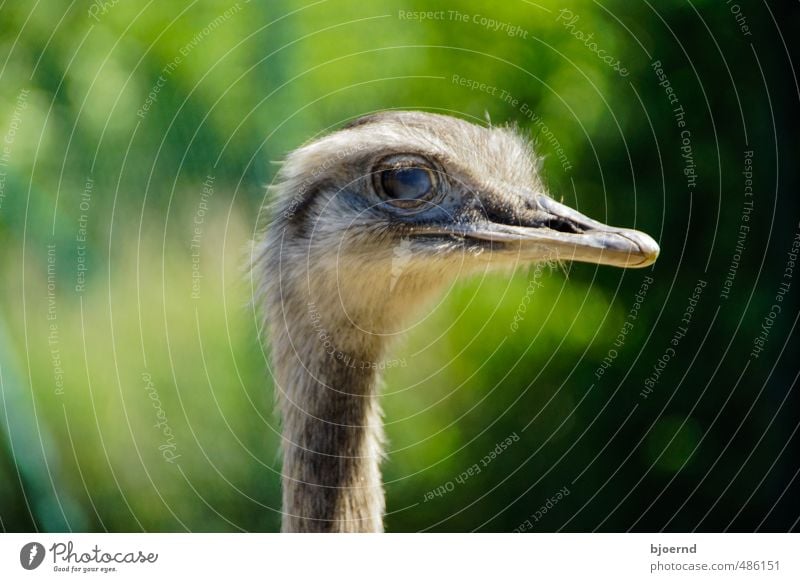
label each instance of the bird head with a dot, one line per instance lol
(396, 205)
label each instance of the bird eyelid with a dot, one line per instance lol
(404, 160)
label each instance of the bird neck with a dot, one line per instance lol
(327, 377)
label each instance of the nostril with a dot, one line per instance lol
(531, 203)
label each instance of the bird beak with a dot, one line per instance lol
(561, 233)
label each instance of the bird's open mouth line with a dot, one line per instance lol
(554, 232)
(607, 246)
(559, 224)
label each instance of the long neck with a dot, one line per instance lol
(332, 433)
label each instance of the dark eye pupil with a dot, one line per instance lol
(406, 183)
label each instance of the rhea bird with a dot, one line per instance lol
(369, 223)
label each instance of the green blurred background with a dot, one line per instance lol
(115, 114)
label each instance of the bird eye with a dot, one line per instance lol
(406, 183)
(406, 180)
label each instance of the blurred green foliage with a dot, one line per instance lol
(145, 101)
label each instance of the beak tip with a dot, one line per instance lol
(648, 249)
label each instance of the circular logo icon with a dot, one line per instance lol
(31, 555)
